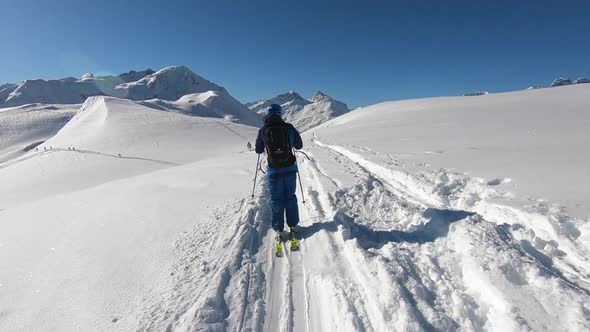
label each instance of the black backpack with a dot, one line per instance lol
(278, 147)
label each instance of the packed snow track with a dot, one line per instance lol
(381, 250)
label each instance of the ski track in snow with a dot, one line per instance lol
(82, 151)
(393, 252)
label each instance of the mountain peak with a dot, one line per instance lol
(87, 76)
(320, 96)
(290, 95)
(133, 75)
(302, 113)
(169, 83)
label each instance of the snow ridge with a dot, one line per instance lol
(214, 104)
(169, 83)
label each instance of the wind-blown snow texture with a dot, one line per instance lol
(395, 235)
(302, 113)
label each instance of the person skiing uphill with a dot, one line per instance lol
(279, 138)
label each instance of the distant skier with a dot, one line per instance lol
(249, 146)
(279, 138)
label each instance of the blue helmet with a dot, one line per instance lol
(274, 109)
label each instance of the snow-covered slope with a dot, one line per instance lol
(401, 238)
(23, 127)
(86, 234)
(5, 91)
(215, 104)
(169, 83)
(419, 215)
(302, 113)
(106, 127)
(537, 138)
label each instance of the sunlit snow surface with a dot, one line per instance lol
(466, 213)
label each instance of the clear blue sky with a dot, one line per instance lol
(361, 52)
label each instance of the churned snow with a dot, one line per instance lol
(460, 213)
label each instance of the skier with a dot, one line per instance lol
(249, 146)
(279, 138)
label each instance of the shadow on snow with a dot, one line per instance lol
(436, 227)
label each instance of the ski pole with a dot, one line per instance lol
(299, 175)
(301, 186)
(303, 153)
(255, 175)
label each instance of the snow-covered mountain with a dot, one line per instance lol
(477, 93)
(6, 90)
(302, 113)
(7, 85)
(456, 213)
(290, 98)
(27, 125)
(169, 83)
(214, 104)
(562, 81)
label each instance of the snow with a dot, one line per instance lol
(5, 91)
(24, 126)
(477, 93)
(302, 113)
(169, 83)
(448, 214)
(561, 82)
(108, 224)
(217, 104)
(535, 140)
(288, 97)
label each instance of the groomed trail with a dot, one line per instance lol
(382, 249)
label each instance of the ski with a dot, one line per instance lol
(278, 245)
(291, 237)
(293, 241)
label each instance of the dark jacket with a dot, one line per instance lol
(294, 139)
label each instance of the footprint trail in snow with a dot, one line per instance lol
(381, 250)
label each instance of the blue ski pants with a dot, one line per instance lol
(283, 200)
